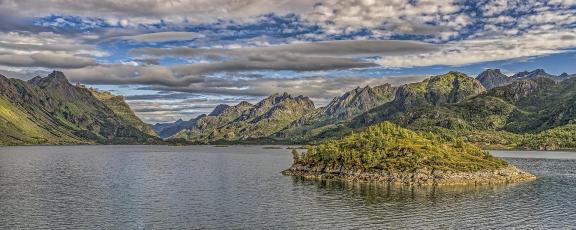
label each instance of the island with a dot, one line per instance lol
(388, 153)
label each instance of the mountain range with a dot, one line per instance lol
(530, 110)
(50, 110)
(527, 110)
(492, 78)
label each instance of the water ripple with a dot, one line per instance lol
(202, 187)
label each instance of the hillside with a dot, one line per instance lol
(50, 110)
(120, 108)
(388, 153)
(247, 121)
(452, 105)
(525, 114)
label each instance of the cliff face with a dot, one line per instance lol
(52, 111)
(359, 100)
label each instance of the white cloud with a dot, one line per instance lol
(395, 16)
(161, 37)
(489, 49)
(45, 49)
(307, 56)
(132, 12)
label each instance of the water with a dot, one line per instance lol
(240, 187)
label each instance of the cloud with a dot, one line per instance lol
(330, 55)
(347, 48)
(273, 62)
(320, 87)
(129, 74)
(161, 37)
(133, 12)
(171, 109)
(45, 59)
(45, 49)
(399, 16)
(543, 32)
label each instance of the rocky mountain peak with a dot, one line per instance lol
(219, 110)
(244, 104)
(359, 100)
(492, 78)
(519, 90)
(54, 79)
(524, 75)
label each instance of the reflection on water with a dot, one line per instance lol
(375, 192)
(205, 187)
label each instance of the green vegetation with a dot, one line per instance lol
(388, 147)
(119, 106)
(245, 122)
(50, 110)
(528, 114)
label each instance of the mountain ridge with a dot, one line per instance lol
(50, 110)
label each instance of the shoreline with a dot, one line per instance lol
(508, 174)
(250, 144)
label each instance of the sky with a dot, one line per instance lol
(177, 59)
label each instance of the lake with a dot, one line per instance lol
(240, 187)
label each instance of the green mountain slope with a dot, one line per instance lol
(340, 109)
(52, 111)
(245, 121)
(119, 107)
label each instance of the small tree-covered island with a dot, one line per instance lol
(387, 153)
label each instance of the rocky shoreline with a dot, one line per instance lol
(508, 174)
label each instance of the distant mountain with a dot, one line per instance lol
(167, 130)
(492, 78)
(525, 75)
(452, 87)
(50, 110)
(246, 121)
(536, 113)
(340, 109)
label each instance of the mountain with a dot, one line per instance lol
(359, 100)
(452, 87)
(528, 114)
(532, 111)
(50, 110)
(525, 75)
(540, 73)
(245, 121)
(119, 106)
(219, 110)
(166, 130)
(340, 109)
(387, 153)
(491, 78)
